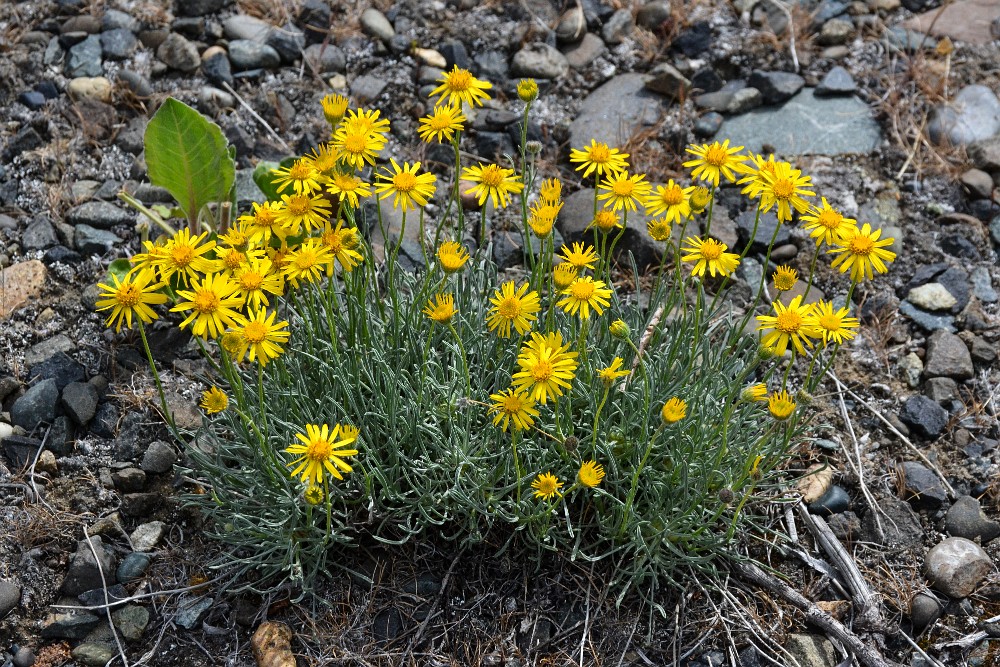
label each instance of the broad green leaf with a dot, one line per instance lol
(188, 155)
(262, 177)
(119, 269)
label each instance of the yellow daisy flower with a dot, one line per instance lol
(834, 325)
(780, 405)
(256, 280)
(452, 256)
(341, 242)
(213, 302)
(591, 474)
(826, 224)
(230, 260)
(755, 392)
(674, 410)
(527, 90)
(349, 187)
(583, 294)
(319, 449)
(458, 86)
(752, 174)
(793, 323)
(513, 408)
(700, 199)
(609, 374)
(493, 182)
(598, 158)
(787, 188)
(659, 229)
(550, 190)
(356, 146)
(605, 221)
(547, 486)
(443, 310)
(547, 366)
(785, 278)
(307, 262)
(334, 108)
(579, 256)
(671, 201)
(709, 254)
(512, 307)
(442, 124)
(214, 401)
(714, 161)
(367, 122)
(184, 256)
(407, 188)
(543, 217)
(622, 191)
(861, 251)
(301, 176)
(563, 275)
(263, 223)
(310, 211)
(260, 336)
(132, 296)
(324, 159)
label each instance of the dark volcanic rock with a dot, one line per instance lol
(924, 416)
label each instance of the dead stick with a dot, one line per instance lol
(865, 654)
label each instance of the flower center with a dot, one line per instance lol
(829, 219)
(255, 332)
(716, 156)
(300, 171)
(600, 154)
(129, 295)
(182, 255)
(861, 245)
(440, 122)
(492, 176)
(354, 143)
(305, 260)
(789, 321)
(512, 404)
(582, 290)
(605, 220)
(510, 307)
(332, 241)
(264, 218)
(318, 450)
(233, 260)
(673, 196)
(206, 301)
(460, 80)
(251, 280)
(711, 249)
(298, 205)
(542, 371)
(404, 181)
(783, 188)
(345, 183)
(829, 321)
(623, 187)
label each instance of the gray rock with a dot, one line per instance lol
(925, 320)
(811, 650)
(941, 389)
(131, 620)
(977, 183)
(982, 353)
(94, 654)
(540, 61)
(213, 101)
(834, 32)
(84, 59)
(838, 81)
(770, 14)
(924, 416)
(84, 572)
(247, 54)
(146, 536)
(985, 154)
(947, 356)
(587, 51)
(54, 53)
(159, 458)
(140, 504)
(200, 7)
(133, 566)
(23, 657)
(129, 480)
(327, 59)
(176, 52)
(99, 214)
(921, 487)
(18, 450)
(708, 124)
(973, 114)
(900, 525)
(572, 26)
(618, 28)
(834, 501)
(846, 526)
(766, 228)
(216, 68)
(117, 20)
(776, 87)
(69, 624)
(39, 235)
(653, 15)
(368, 88)
(118, 44)
(190, 611)
(493, 64)
(744, 100)
(242, 26)
(91, 241)
(10, 596)
(807, 125)
(49, 348)
(956, 566)
(288, 41)
(667, 80)
(966, 519)
(137, 83)
(932, 297)
(924, 610)
(96, 596)
(375, 24)
(612, 112)
(36, 406)
(79, 400)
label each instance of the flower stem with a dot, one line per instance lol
(156, 377)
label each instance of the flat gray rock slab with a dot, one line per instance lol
(806, 125)
(614, 111)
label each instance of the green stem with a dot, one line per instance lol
(517, 464)
(465, 363)
(812, 271)
(156, 377)
(597, 418)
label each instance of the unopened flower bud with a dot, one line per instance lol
(727, 496)
(700, 198)
(527, 90)
(314, 494)
(804, 397)
(533, 147)
(619, 330)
